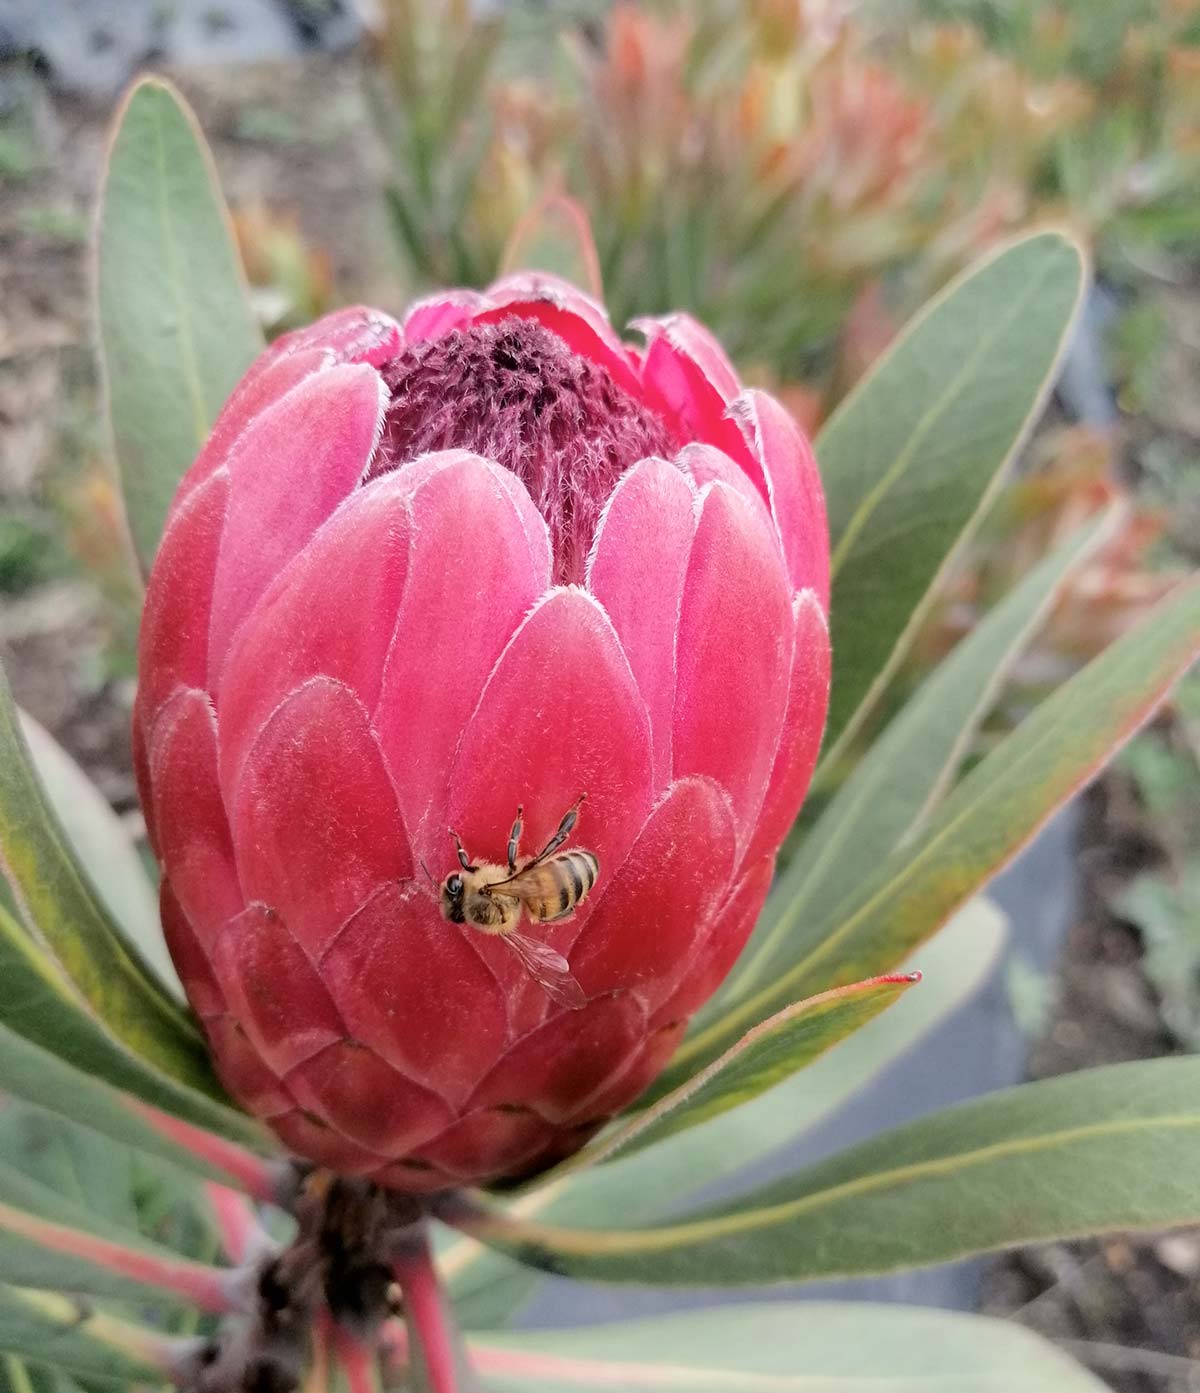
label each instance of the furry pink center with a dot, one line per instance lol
(515, 393)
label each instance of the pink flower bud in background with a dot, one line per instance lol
(422, 574)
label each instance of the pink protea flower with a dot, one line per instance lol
(421, 574)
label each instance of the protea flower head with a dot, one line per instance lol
(420, 575)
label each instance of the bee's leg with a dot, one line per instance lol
(565, 828)
(463, 859)
(514, 840)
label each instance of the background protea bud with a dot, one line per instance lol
(422, 574)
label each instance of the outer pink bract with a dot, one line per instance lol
(342, 655)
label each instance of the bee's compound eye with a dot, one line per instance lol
(455, 885)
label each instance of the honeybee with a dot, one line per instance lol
(546, 887)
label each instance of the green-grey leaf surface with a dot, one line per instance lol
(764, 1057)
(103, 848)
(47, 1240)
(911, 455)
(39, 1004)
(33, 1074)
(979, 827)
(1108, 1149)
(487, 1287)
(69, 925)
(67, 1333)
(889, 795)
(818, 1347)
(176, 328)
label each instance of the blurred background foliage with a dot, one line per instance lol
(856, 155)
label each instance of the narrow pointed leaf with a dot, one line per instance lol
(46, 1241)
(912, 454)
(66, 920)
(643, 1186)
(889, 796)
(38, 1077)
(103, 848)
(983, 823)
(764, 1057)
(176, 328)
(1108, 1149)
(819, 1347)
(65, 1332)
(41, 1006)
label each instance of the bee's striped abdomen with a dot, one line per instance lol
(570, 876)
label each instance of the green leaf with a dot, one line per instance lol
(487, 1287)
(912, 455)
(765, 1056)
(65, 1332)
(73, 1161)
(103, 848)
(818, 1347)
(60, 1092)
(176, 328)
(39, 1008)
(890, 794)
(72, 931)
(1108, 1149)
(984, 822)
(48, 1241)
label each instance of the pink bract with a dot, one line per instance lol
(345, 651)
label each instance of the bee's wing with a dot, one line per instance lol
(549, 969)
(538, 882)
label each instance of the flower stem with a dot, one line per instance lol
(433, 1343)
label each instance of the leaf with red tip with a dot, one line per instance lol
(762, 1058)
(982, 825)
(49, 1241)
(1042, 1161)
(645, 1186)
(176, 329)
(34, 1075)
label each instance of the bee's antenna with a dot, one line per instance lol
(428, 877)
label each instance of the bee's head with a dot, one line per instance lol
(454, 890)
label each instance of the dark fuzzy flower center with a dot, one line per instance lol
(516, 393)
